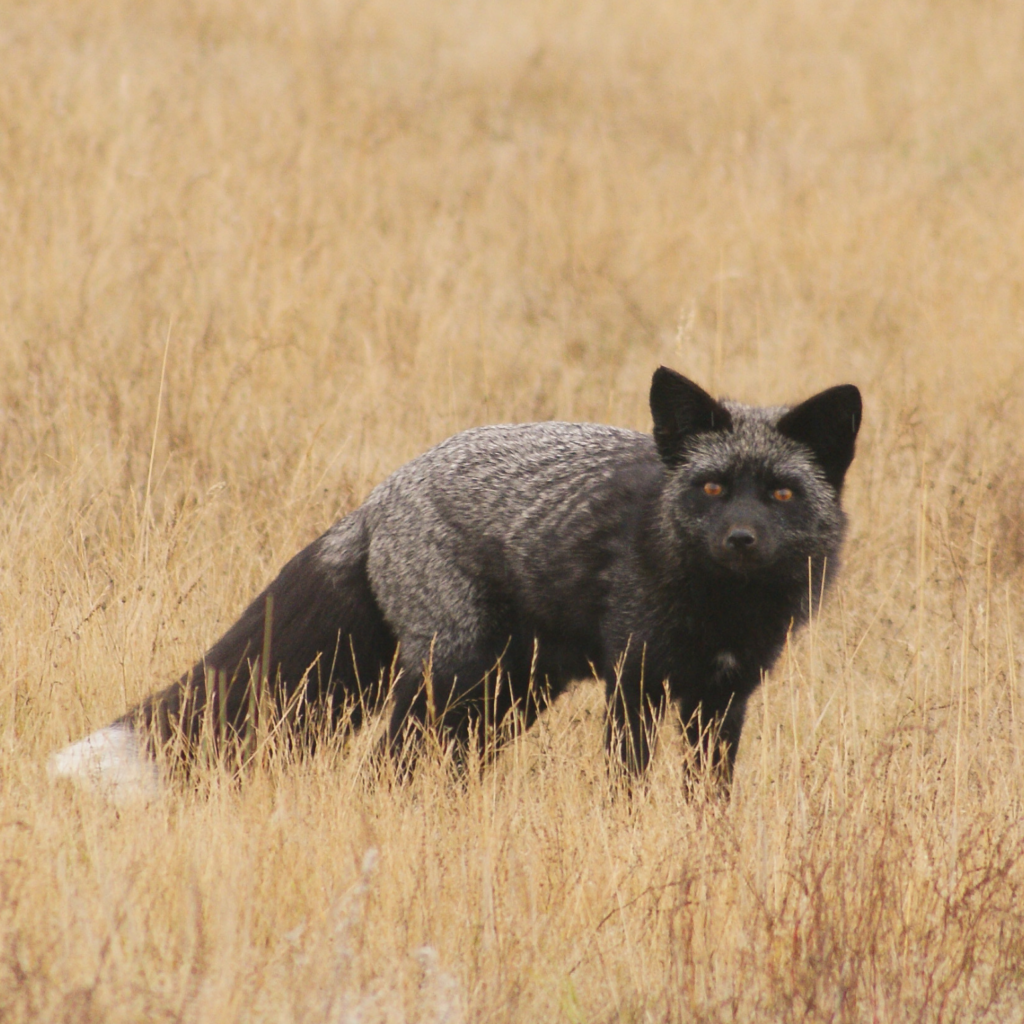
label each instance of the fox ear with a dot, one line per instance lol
(681, 408)
(828, 425)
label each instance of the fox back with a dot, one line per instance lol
(483, 577)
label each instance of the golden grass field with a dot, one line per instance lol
(254, 255)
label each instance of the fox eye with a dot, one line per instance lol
(713, 489)
(782, 494)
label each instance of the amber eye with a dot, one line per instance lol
(712, 489)
(782, 494)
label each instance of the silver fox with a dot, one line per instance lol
(483, 577)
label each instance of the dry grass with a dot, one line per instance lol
(357, 227)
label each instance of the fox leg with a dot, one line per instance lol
(714, 734)
(478, 698)
(633, 719)
(458, 706)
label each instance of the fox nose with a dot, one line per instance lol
(741, 538)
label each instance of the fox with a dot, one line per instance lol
(480, 580)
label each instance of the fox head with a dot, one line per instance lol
(752, 488)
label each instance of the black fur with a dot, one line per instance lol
(484, 577)
(327, 636)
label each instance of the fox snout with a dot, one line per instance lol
(743, 540)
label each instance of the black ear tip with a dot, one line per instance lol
(667, 381)
(848, 398)
(665, 375)
(850, 393)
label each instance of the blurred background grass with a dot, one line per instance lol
(256, 255)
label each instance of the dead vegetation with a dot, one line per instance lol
(255, 255)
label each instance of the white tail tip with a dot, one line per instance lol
(111, 761)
